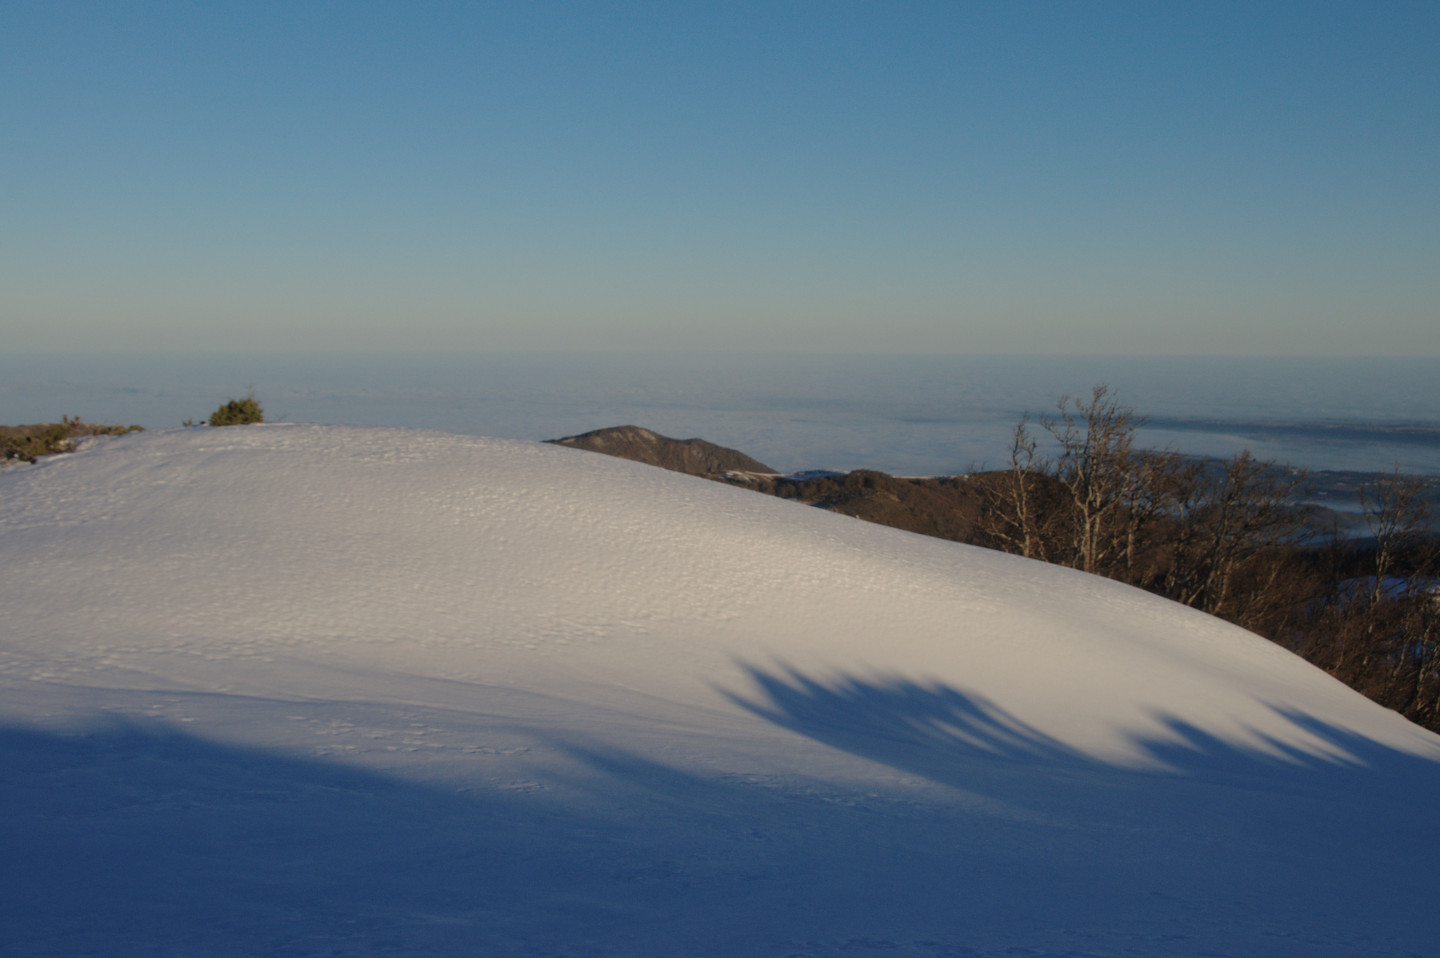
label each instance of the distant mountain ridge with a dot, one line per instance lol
(693, 456)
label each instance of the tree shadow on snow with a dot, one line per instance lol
(958, 739)
(1333, 829)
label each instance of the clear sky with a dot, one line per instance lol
(1218, 178)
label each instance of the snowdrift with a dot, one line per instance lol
(294, 689)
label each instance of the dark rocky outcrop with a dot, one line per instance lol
(695, 457)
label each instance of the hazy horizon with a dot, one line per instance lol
(900, 414)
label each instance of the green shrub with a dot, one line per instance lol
(238, 412)
(27, 443)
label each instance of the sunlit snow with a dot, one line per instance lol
(305, 690)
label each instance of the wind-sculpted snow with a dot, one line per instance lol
(304, 690)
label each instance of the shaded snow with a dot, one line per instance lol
(295, 689)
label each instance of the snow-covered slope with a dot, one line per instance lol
(318, 690)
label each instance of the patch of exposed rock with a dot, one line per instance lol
(693, 456)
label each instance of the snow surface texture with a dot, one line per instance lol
(304, 690)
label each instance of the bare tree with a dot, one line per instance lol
(1401, 610)
(1398, 516)
(1013, 517)
(1093, 506)
(1228, 523)
(1149, 500)
(1097, 468)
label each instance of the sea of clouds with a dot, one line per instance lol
(910, 415)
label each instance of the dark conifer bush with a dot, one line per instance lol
(238, 412)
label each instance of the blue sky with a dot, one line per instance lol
(1154, 178)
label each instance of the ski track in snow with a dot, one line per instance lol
(305, 690)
